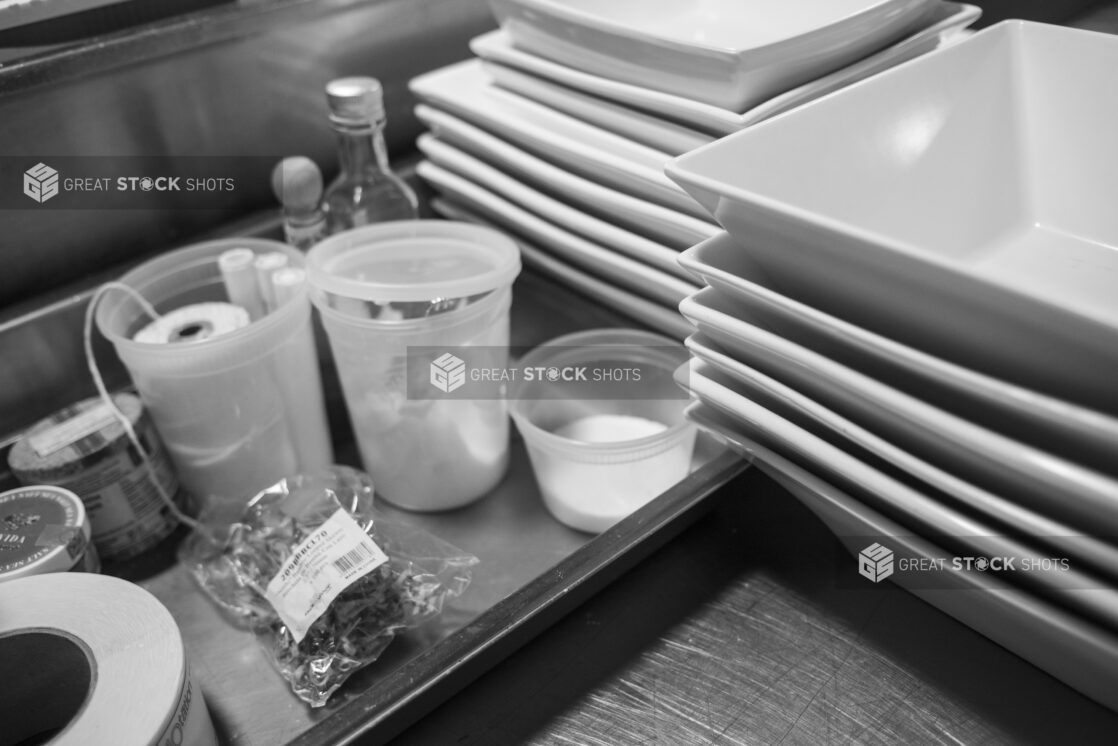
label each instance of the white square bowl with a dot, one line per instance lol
(728, 53)
(968, 195)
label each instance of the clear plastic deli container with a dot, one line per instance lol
(606, 440)
(236, 411)
(420, 283)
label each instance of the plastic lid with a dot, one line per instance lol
(73, 439)
(42, 529)
(355, 101)
(414, 260)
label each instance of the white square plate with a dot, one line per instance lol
(1073, 494)
(971, 188)
(464, 90)
(646, 312)
(799, 409)
(940, 24)
(911, 504)
(607, 263)
(647, 129)
(729, 53)
(659, 223)
(1054, 425)
(513, 190)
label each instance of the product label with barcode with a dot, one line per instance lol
(324, 564)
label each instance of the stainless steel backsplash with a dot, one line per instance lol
(243, 79)
(240, 80)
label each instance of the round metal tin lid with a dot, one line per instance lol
(42, 529)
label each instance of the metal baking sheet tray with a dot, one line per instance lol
(533, 570)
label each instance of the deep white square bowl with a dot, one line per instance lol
(729, 53)
(970, 195)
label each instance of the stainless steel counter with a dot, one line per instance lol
(738, 633)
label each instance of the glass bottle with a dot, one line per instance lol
(366, 191)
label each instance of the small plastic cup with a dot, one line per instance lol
(236, 411)
(597, 460)
(384, 288)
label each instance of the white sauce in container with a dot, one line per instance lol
(610, 428)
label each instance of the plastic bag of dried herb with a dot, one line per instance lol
(324, 581)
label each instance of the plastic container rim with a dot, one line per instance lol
(179, 260)
(438, 321)
(499, 247)
(638, 447)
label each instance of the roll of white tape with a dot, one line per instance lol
(287, 282)
(266, 265)
(193, 323)
(239, 277)
(90, 659)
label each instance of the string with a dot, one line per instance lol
(102, 391)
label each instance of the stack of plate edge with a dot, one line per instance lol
(1077, 651)
(624, 107)
(888, 491)
(830, 435)
(665, 320)
(569, 225)
(479, 167)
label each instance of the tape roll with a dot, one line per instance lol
(90, 659)
(287, 283)
(43, 529)
(193, 323)
(84, 449)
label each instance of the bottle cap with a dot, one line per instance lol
(358, 100)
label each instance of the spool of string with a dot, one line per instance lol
(102, 391)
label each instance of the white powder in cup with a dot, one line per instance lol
(610, 428)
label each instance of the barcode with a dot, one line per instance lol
(351, 559)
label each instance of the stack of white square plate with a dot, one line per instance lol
(676, 110)
(560, 133)
(912, 320)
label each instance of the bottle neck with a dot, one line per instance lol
(305, 231)
(361, 149)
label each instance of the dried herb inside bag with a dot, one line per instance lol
(323, 580)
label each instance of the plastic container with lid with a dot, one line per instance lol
(44, 529)
(236, 411)
(598, 459)
(384, 288)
